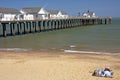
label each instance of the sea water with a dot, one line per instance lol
(81, 39)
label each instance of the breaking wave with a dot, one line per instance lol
(91, 52)
(13, 49)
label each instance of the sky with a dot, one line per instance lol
(72, 7)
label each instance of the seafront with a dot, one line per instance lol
(55, 66)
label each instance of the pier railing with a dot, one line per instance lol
(19, 27)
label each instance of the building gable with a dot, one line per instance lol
(42, 11)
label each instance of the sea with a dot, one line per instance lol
(98, 39)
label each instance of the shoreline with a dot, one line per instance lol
(67, 51)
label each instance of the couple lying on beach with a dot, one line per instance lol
(103, 73)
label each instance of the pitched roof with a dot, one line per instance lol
(56, 12)
(53, 11)
(31, 10)
(63, 12)
(9, 10)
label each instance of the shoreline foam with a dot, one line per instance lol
(90, 52)
(61, 50)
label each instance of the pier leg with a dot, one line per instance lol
(39, 29)
(63, 24)
(27, 27)
(105, 21)
(12, 28)
(52, 25)
(110, 21)
(24, 25)
(101, 21)
(20, 28)
(42, 25)
(60, 24)
(57, 27)
(32, 26)
(35, 25)
(4, 30)
(70, 23)
(93, 21)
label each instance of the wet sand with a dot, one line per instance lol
(55, 66)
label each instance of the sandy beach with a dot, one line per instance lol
(55, 66)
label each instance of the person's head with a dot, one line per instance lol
(108, 67)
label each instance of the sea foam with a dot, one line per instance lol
(91, 52)
(13, 49)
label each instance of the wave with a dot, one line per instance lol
(14, 49)
(91, 52)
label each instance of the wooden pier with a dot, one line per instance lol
(31, 26)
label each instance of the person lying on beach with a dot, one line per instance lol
(108, 72)
(100, 73)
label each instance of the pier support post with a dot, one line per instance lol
(83, 22)
(47, 25)
(93, 21)
(4, 30)
(110, 20)
(54, 24)
(57, 24)
(51, 25)
(43, 25)
(105, 21)
(39, 29)
(20, 28)
(101, 21)
(32, 27)
(26, 24)
(35, 25)
(12, 28)
(62, 24)
(71, 23)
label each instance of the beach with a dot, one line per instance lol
(55, 65)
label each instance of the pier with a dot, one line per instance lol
(20, 27)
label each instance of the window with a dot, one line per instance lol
(1, 15)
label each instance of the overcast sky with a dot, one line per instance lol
(72, 7)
